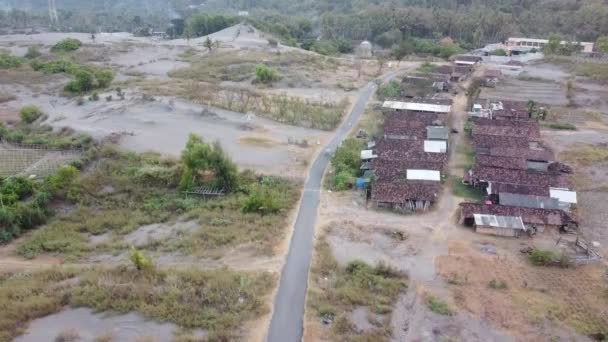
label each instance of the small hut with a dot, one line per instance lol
(499, 225)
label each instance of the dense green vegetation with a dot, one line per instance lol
(86, 77)
(543, 257)
(345, 164)
(124, 190)
(202, 24)
(389, 90)
(24, 201)
(266, 74)
(339, 289)
(230, 298)
(67, 45)
(44, 135)
(30, 113)
(205, 164)
(555, 47)
(438, 306)
(8, 62)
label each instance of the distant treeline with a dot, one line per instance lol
(471, 23)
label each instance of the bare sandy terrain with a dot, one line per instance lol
(163, 125)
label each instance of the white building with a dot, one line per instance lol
(423, 175)
(538, 44)
(417, 106)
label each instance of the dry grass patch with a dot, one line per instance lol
(258, 141)
(239, 66)
(519, 297)
(219, 301)
(337, 290)
(586, 155)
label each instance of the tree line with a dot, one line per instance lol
(471, 23)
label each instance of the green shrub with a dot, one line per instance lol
(9, 62)
(346, 163)
(266, 74)
(200, 158)
(63, 177)
(541, 257)
(30, 113)
(262, 199)
(67, 45)
(426, 67)
(140, 261)
(391, 89)
(85, 79)
(343, 46)
(54, 66)
(438, 306)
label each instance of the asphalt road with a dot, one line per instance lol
(287, 322)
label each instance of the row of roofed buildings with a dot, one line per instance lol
(526, 190)
(409, 159)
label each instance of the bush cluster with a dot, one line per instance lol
(346, 163)
(328, 47)
(266, 74)
(86, 78)
(44, 135)
(30, 113)
(24, 201)
(391, 89)
(9, 62)
(67, 45)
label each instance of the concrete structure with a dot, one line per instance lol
(566, 198)
(532, 43)
(423, 175)
(437, 133)
(509, 226)
(417, 107)
(436, 146)
(368, 155)
(467, 60)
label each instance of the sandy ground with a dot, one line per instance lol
(163, 125)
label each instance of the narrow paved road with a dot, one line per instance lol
(287, 322)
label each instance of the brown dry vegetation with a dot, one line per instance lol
(278, 107)
(219, 301)
(336, 290)
(574, 297)
(586, 155)
(26, 76)
(258, 141)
